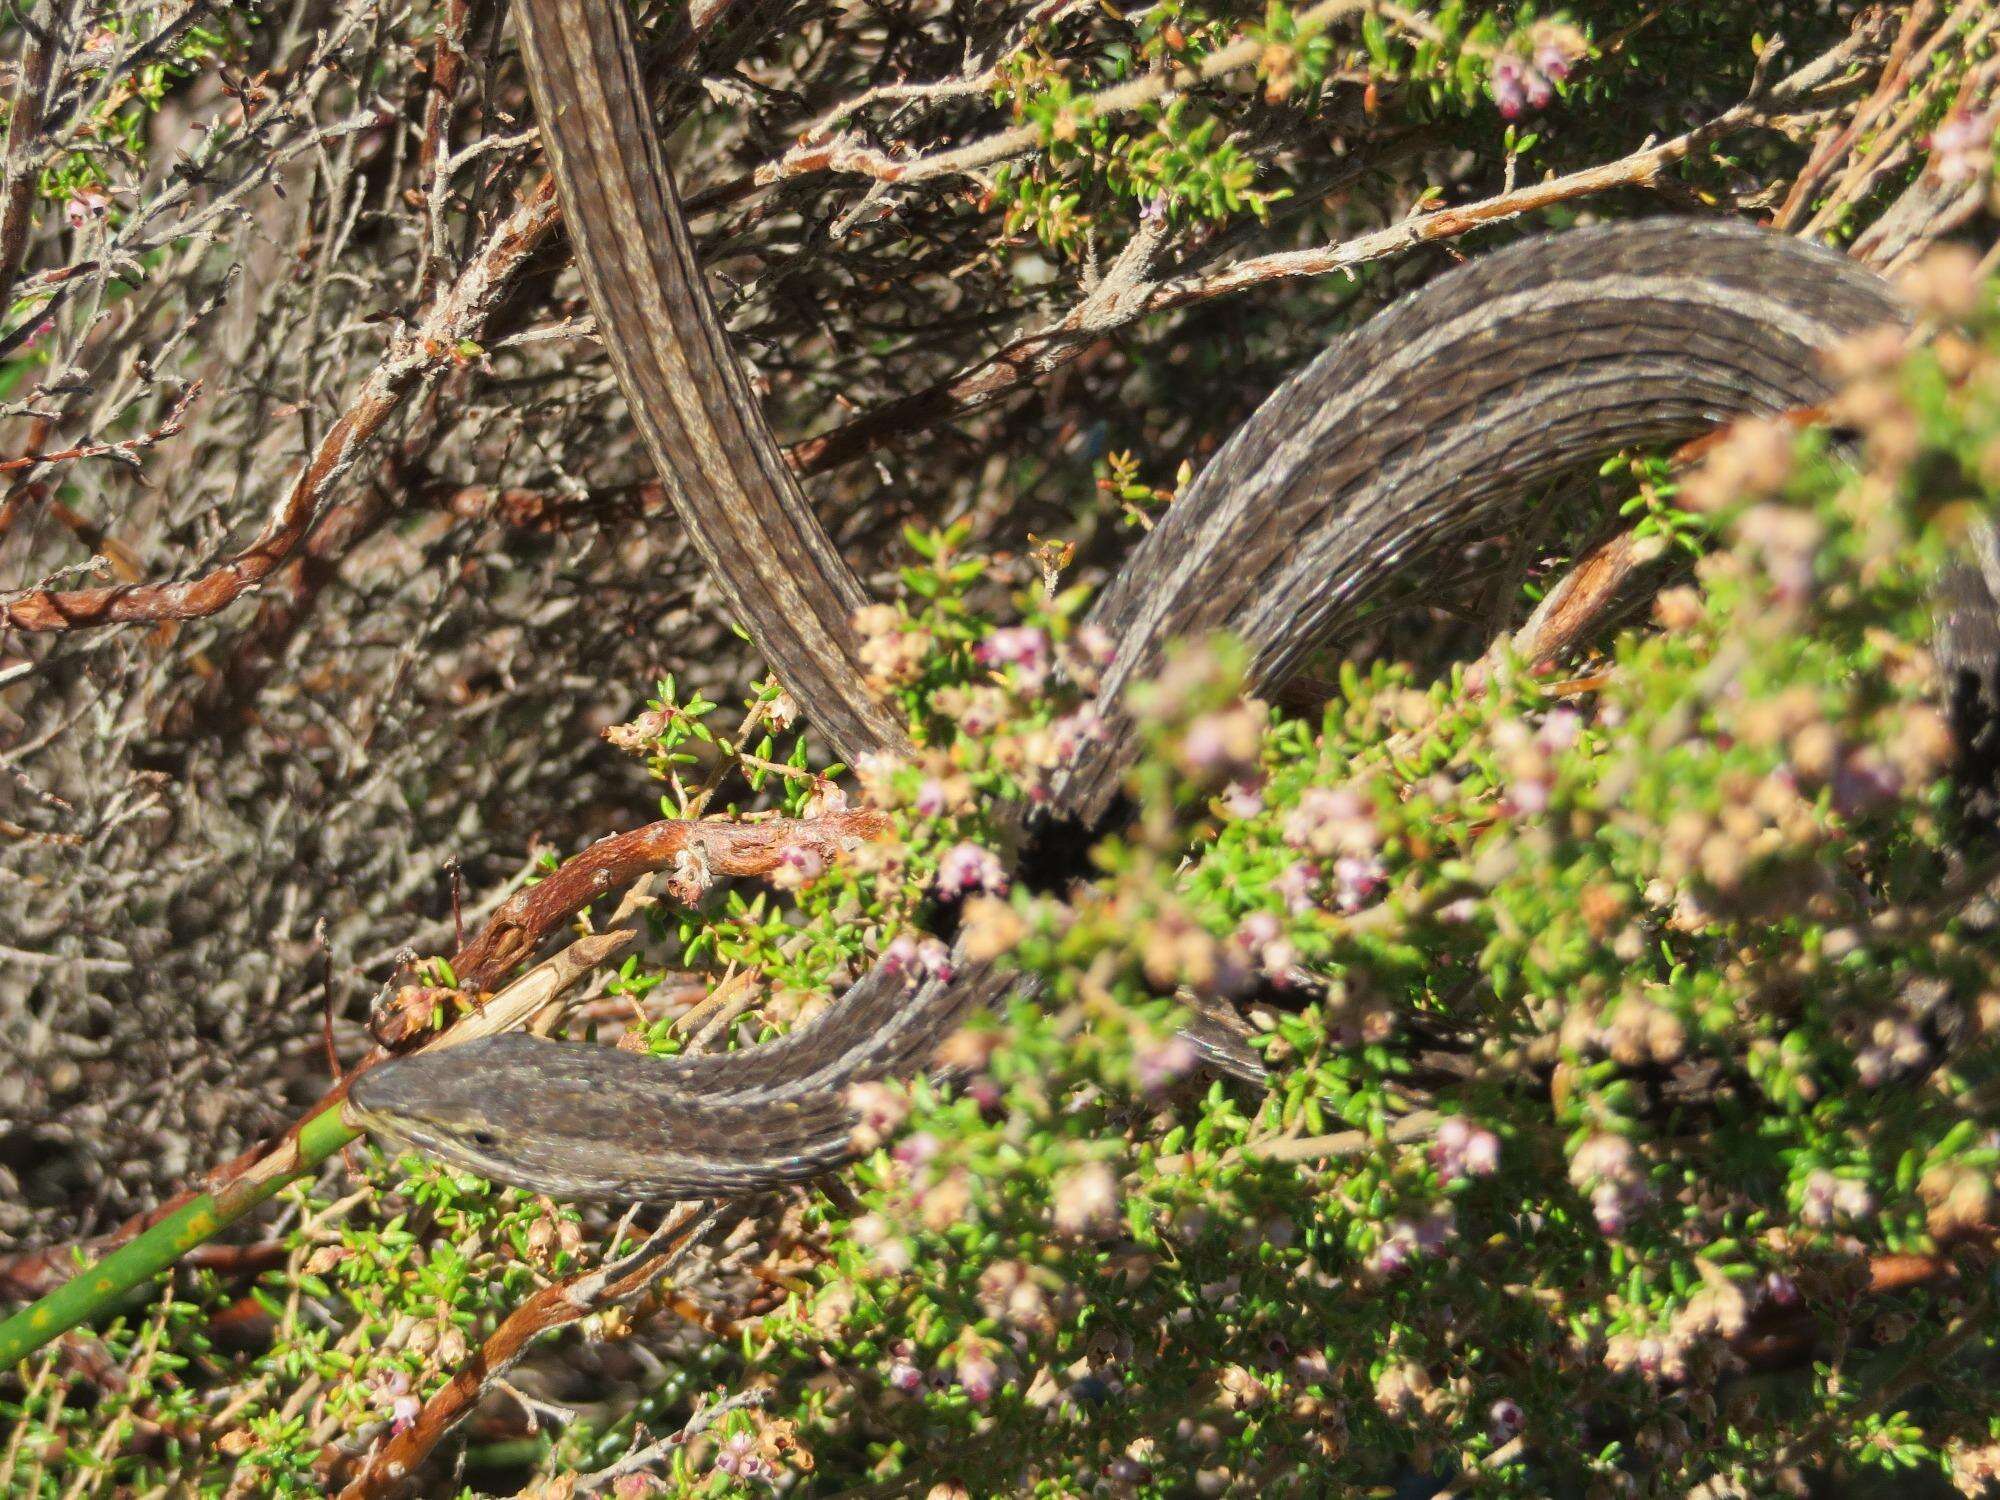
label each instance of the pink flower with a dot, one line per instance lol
(1242, 799)
(1021, 647)
(1333, 820)
(739, 1458)
(916, 1150)
(798, 865)
(1165, 1063)
(1506, 82)
(86, 203)
(1408, 1239)
(1560, 730)
(1295, 883)
(1962, 145)
(1357, 881)
(924, 957)
(971, 867)
(1463, 1149)
(403, 1414)
(978, 1375)
(1095, 645)
(1087, 1202)
(1262, 942)
(903, 1372)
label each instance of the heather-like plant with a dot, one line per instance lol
(1630, 1017)
(1631, 1031)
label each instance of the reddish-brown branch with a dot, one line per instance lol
(176, 419)
(516, 930)
(24, 492)
(542, 511)
(410, 360)
(394, 1465)
(519, 927)
(24, 123)
(1580, 598)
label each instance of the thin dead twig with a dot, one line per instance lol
(413, 357)
(1031, 356)
(847, 156)
(126, 450)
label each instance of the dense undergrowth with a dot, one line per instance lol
(1634, 1119)
(1631, 1032)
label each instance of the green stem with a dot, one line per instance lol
(96, 1289)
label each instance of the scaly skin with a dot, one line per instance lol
(1415, 431)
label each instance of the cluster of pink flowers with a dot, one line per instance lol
(1296, 883)
(1022, 647)
(740, 1459)
(1408, 1239)
(1087, 1202)
(1523, 83)
(798, 865)
(1608, 1169)
(903, 1373)
(971, 867)
(1828, 1198)
(1333, 820)
(977, 1372)
(1220, 745)
(1260, 943)
(1962, 144)
(1163, 1064)
(1462, 1149)
(1357, 880)
(925, 957)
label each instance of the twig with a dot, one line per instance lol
(393, 1467)
(844, 155)
(412, 358)
(1826, 155)
(648, 1454)
(1414, 1126)
(433, 159)
(17, 197)
(126, 449)
(1029, 357)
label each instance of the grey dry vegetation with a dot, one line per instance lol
(299, 384)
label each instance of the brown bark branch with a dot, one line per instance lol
(393, 1467)
(17, 197)
(519, 927)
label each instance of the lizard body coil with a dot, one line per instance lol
(1424, 424)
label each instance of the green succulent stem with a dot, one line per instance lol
(103, 1287)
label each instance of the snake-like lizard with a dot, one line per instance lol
(1424, 424)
